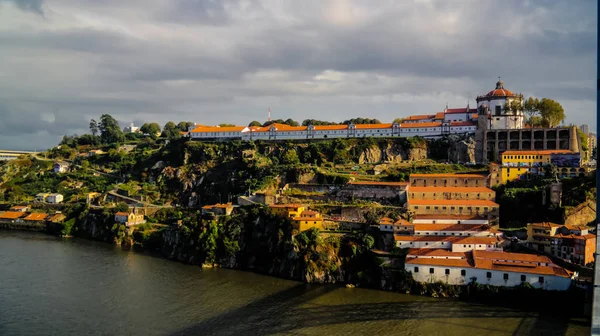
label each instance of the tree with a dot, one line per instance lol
(110, 132)
(536, 121)
(121, 207)
(184, 126)
(170, 131)
(314, 122)
(291, 157)
(226, 125)
(254, 123)
(399, 120)
(93, 127)
(530, 108)
(512, 107)
(150, 128)
(551, 111)
(291, 122)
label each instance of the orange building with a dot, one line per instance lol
(287, 210)
(448, 180)
(451, 193)
(482, 208)
(307, 220)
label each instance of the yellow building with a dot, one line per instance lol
(517, 164)
(287, 210)
(307, 220)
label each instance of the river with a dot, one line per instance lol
(52, 286)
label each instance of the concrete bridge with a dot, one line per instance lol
(6, 155)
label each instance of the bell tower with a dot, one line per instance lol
(481, 134)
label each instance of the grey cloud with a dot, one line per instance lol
(224, 61)
(34, 6)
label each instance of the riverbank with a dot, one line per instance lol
(310, 259)
(80, 287)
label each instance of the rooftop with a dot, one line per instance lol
(11, 215)
(426, 252)
(36, 217)
(546, 225)
(510, 256)
(439, 262)
(123, 214)
(450, 227)
(286, 206)
(425, 238)
(479, 240)
(449, 217)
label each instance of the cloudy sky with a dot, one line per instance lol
(63, 62)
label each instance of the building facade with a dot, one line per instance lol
(520, 164)
(572, 243)
(451, 193)
(448, 180)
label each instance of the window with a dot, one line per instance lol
(431, 270)
(505, 276)
(489, 275)
(427, 207)
(523, 278)
(463, 272)
(541, 279)
(447, 272)
(416, 270)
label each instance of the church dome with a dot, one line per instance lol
(500, 91)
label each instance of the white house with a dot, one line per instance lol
(54, 198)
(457, 230)
(131, 129)
(453, 243)
(60, 167)
(488, 268)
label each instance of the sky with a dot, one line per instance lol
(64, 62)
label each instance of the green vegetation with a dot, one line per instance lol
(543, 112)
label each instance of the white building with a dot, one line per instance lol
(495, 102)
(60, 167)
(54, 198)
(434, 129)
(487, 268)
(451, 243)
(131, 129)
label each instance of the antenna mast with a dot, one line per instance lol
(269, 116)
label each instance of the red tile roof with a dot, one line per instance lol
(421, 125)
(460, 110)
(434, 252)
(421, 117)
(372, 126)
(214, 129)
(479, 240)
(439, 262)
(308, 219)
(425, 238)
(500, 93)
(448, 217)
(124, 214)
(450, 227)
(36, 217)
(12, 215)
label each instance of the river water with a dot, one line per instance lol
(52, 286)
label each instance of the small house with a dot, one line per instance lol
(218, 209)
(35, 217)
(41, 197)
(54, 198)
(11, 216)
(129, 219)
(61, 167)
(20, 208)
(307, 220)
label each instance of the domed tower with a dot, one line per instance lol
(497, 102)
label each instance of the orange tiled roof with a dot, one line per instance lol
(421, 125)
(386, 220)
(402, 221)
(500, 93)
(421, 117)
(546, 224)
(478, 240)
(211, 129)
(460, 110)
(520, 268)
(439, 115)
(331, 128)
(372, 126)
(439, 262)
(379, 183)
(457, 176)
(308, 219)
(286, 205)
(462, 123)
(454, 202)
(11, 215)
(126, 214)
(434, 252)
(512, 256)
(538, 152)
(36, 217)
(309, 212)
(451, 189)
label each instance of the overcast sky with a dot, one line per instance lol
(64, 62)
